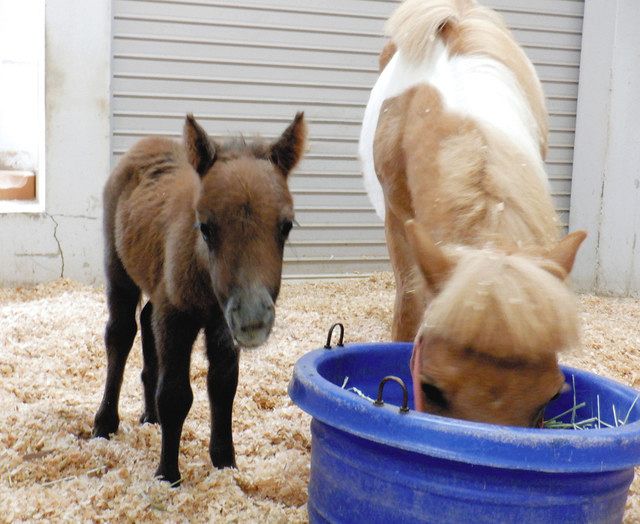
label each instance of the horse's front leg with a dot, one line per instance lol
(175, 331)
(222, 381)
(411, 297)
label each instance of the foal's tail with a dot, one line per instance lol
(416, 25)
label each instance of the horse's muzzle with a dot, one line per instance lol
(250, 314)
(415, 367)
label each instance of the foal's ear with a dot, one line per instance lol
(287, 151)
(432, 261)
(201, 152)
(564, 253)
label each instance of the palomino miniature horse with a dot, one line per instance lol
(200, 229)
(455, 134)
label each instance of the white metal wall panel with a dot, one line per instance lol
(249, 65)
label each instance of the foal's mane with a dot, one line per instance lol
(504, 305)
(240, 145)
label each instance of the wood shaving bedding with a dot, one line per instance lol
(52, 366)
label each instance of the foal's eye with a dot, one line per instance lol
(205, 229)
(434, 395)
(285, 227)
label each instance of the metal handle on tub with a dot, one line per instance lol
(405, 394)
(340, 339)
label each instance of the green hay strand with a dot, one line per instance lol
(626, 418)
(355, 390)
(588, 423)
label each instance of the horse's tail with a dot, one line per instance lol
(416, 24)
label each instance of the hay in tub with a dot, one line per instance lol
(51, 377)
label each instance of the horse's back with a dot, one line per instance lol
(445, 84)
(419, 29)
(140, 206)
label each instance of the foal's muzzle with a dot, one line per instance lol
(250, 314)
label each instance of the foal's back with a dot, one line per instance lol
(149, 198)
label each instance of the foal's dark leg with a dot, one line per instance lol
(122, 300)
(175, 333)
(150, 368)
(222, 381)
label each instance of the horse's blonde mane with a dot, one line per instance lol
(414, 26)
(466, 28)
(494, 192)
(505, 306)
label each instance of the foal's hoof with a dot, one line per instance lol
(103, 432)
(224, 464)
(104, 426)
(222, 459)
(172, 477)
(148, 418)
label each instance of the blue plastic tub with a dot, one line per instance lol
(376, 464)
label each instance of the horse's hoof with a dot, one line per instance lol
(147, 418)
(173, 477)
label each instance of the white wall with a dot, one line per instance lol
(66, 240)
(21, 60)
(605, 198)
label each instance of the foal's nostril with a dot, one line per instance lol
(250, 314)
(267, 305)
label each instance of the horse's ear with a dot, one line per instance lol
(201, 153)
(434, 265)
(564, 253)
(386, 55)
(287, 151)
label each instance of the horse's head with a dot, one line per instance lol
(487, 348)
(244, 213)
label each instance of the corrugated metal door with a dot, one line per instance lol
(248, 65)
